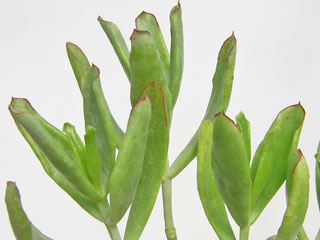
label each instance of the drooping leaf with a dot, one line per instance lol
(210, 197)
(153, 165)
(289, 121)
(219, 100)
(231, 168)
(126, 173)
(22, 228)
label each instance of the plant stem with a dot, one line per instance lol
(167, 206)
(113, 232)
(244, 233)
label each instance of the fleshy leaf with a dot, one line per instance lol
(153, 165)
(127, 170)
(210, 197)
(297, 202)
(119, 45)
(244, 126)
(231, 168)
(290, 121)
(317, 156)
(54, 144)
(22, 227)
(148, 22)
(219, 100)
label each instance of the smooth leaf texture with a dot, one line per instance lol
(146, 66)
(219, 100)
(290, 121)
(153, 165)
(244, 126)
(119, 45)
(78, 146)
(54, 144)
(92, 117)
(211, 200)
(297, 201)
(22, 228)
(80, 65)
(231, 168)
(176, 52)
(148, 22)
(126, 173)
(317, 167)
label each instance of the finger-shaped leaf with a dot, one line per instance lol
(231, 168)
(78, 146)
(153, 165)
(94, 118)
(146, 66)
(290, 121)
(148, 22)
(317, 156)
(54, 144)
(219, 100)
(22, 228)
(127, 170)
(78, 61)
(80, 65)
(211, 200)
(92, 157)
(244, 126)
(318, 235)
(84, 202)
(297, 202)
(266, 156)
(176, 52)
(302, 235)
(119, 45)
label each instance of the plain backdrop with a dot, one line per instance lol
(277, 66)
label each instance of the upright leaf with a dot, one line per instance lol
(211, 200)
(176, 52)
(153, 165)
(127, 170)
(317, 156)
(297, 201)
(244, 126)
(219, 100)
(231, 168)
(119, 45)
(289, 121)
(22, 228)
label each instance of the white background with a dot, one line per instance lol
(277, 66)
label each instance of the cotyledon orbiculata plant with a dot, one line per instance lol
(106, 184)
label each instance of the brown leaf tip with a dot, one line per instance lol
(137, 31)
(143, 13)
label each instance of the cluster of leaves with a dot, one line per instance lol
(106, 184)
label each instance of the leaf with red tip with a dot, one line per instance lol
(22, 227)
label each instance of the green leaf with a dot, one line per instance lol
(78, 146)
(92, 157)
(231, 168)
(126, 173)
(290, 121)
(22, 228)
(146, 66)
(80, 65)
(153, 165)
(54, 144)
(148, 22)
(176, 52)
(93, 117)
(211, 200)
(219, 100)
(119, 45)
(244, 126)
(317, 167)
(297, 202)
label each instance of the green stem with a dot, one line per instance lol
(167, 206)
(244, 233)
(113, 232)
